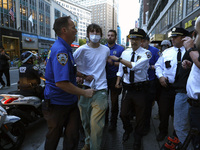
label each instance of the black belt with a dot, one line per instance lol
(136, 86)
(194, 102)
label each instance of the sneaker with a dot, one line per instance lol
(86, 147)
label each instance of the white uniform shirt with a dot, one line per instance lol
(92, 61)
(167, 63)
(193, 83)
(139, 66)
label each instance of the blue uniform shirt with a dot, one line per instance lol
(155, 55)
(60, 67)
(111, 70)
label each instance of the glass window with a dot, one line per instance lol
(180, 5)
(195, 4)
(192, 5)
(57, 14)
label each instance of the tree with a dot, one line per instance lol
(82, 42)
(103, 41)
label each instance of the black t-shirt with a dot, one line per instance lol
(4, 61)
(183, 74)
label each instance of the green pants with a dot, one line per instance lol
(92, 111)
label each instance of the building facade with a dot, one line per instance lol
(104, 13)
(165, 15)
(30, 25)
(83, 13)
(119, 35)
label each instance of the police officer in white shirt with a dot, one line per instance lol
(167, 67)
(193, 83)
(134, 63)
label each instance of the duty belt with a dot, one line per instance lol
(136, 86)
(194, 102)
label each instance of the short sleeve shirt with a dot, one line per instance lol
(60, 67)
(111, 70)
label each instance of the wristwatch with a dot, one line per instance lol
(119, 59)
(191, 49)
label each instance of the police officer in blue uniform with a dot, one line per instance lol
(152, 81)
(111, 70)
(133, 67)
(60, 106)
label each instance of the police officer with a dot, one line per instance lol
(193, 82)
(111, 70)
(133, 67)
(167, 67)
(60, 106)
(152, 81)
(29, 76)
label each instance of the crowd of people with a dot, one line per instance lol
(142, 74)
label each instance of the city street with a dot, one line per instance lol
(35, 132)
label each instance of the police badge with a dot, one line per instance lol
(62, 58)
(114, 52)
(148, 54)
(138, 57)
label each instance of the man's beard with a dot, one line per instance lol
(111, 42)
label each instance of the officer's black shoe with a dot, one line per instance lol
(125, 136)
(112, 127)
(161, 136)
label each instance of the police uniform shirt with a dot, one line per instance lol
(29, 75)
(193, 83)
(92, 61)
(139, 66)
(111, 70)
(167, 63)
(155, 55)
(60, 67)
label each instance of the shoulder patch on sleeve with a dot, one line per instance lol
(62, 58)
(148, 54)
(35, 68)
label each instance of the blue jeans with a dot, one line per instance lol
(181, 116)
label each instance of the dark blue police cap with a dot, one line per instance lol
(137, 33)
(179, 32)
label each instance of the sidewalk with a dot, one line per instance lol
(113, 140)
